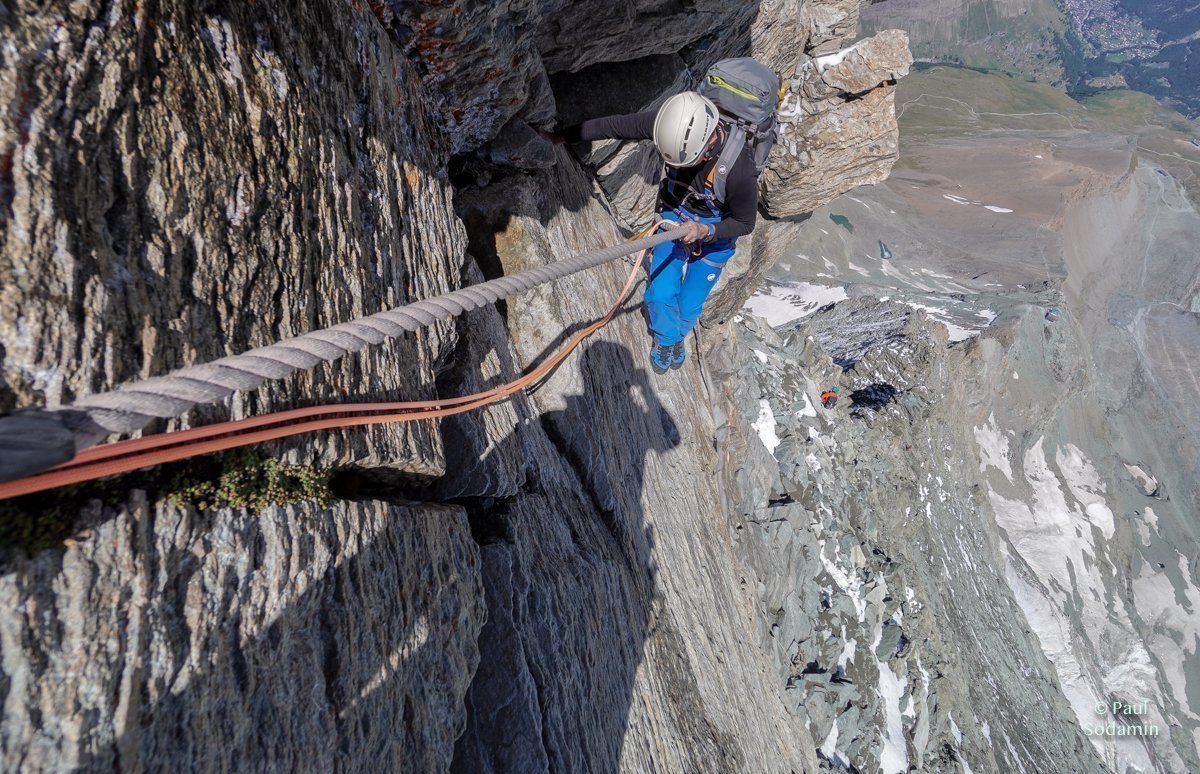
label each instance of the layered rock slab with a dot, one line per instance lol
(613, 556)
(312, 639)
(182, 184)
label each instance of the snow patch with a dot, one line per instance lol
(848, 581)
(848, 651)
(1170, 598)
(893, 758)
(765, 426)
(1084, 483)
(823, 63)
(829, 749)
(1147, 482)
(937, 314)
(785, 303)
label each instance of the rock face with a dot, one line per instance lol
(182, 185)
(312, 640)
(593, 603)
(837, 125)
(487, 62)
(900, 642)
(555, 582)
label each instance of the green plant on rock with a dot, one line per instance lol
(251, 481)
(238, 479)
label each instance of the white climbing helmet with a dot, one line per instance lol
(683, 127)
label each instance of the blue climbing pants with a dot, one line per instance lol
(680, 282)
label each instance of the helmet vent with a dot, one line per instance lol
(683, 126)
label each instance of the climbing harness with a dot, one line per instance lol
(137, 404)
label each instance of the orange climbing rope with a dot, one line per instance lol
(125, 456)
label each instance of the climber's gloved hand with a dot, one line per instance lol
(697, 232)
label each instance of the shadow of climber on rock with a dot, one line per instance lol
(568, 579)
(357, 656)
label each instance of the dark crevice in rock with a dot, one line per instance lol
(873, 396)
(488, 518)
(7, 187)
(397, 487)
(330, 658)
(481, 244)
(471, 170)
(587, 485)
(552, 755)
(8, 398)
(613, 88)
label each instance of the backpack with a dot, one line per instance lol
(746, 93)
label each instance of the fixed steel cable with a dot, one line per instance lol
(135, 405)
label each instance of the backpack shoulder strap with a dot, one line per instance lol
(729, 156)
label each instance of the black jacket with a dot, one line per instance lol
(739, 211)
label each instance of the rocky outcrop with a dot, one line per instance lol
(832, 24)
(185, 184)
(837, 125)
(311, 639)
(898, 640)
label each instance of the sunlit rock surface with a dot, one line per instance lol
(182, 184)
(302, 639)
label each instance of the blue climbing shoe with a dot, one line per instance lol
(660, 358)
(677, 355)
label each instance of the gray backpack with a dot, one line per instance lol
(747, 93)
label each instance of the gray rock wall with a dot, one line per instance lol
(182, 184)
(882, 592)
(642, 657)
(293, 639)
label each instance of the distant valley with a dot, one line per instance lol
(1054, 239)
(1083, 46)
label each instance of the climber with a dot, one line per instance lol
(829, 398)
(716, 197)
